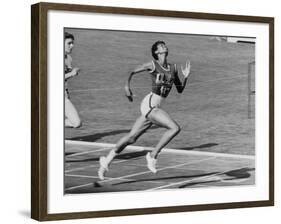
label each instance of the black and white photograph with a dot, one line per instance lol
(135, 112)
(147, 111)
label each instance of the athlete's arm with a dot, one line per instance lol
(73, 72)
(145, 67)
(186, 72)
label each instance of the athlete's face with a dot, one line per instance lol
(162, 49)
(68, 45)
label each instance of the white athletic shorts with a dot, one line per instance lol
(150, 102)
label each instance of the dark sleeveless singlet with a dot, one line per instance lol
(162, 78)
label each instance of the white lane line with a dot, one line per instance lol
(234, 180)
(109, 178)
(164, 168)
(167, 150)
(140, 173)
(80, 168)
(95, 165)
(96, 177)
(85, 185)
(75, 187)
(86, 152)
(88, 176)
(189, 181)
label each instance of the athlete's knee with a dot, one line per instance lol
(176, 129)
(131, 139)
(77, 123)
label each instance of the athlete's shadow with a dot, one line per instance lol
(165, 178)
(97, 136)
(123, 156)
(236, 174)
(239, 173)
(231, 176)
(207, 145)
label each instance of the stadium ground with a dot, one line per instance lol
(212, 111)
(176, 169)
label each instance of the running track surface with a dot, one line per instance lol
(177, 169)
(212, 113)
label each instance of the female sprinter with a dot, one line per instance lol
(163, 75)
(72, 118)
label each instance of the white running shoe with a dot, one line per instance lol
(151, 163)
(103, 167)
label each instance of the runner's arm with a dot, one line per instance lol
(72, 73)
(145, 67)
(186, 72)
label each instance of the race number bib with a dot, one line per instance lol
(160, 78)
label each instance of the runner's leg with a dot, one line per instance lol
(72, 118)
(140, 126)
(162, 118)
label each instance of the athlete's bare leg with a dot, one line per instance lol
(72, 118)
(140, 126)
(161, 118)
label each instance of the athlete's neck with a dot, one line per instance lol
(163, 62)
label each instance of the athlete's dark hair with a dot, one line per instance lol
(68, 36)
(155, 47)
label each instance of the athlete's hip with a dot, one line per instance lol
(150, 102)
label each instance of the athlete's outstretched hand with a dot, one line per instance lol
(128, 93)
(186, 70)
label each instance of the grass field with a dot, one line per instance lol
(212, 111)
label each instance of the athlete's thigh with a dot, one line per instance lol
(140, 126)
(162, 118)
(70, 111)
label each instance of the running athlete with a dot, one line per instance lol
(163, 75)
(72, 118)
